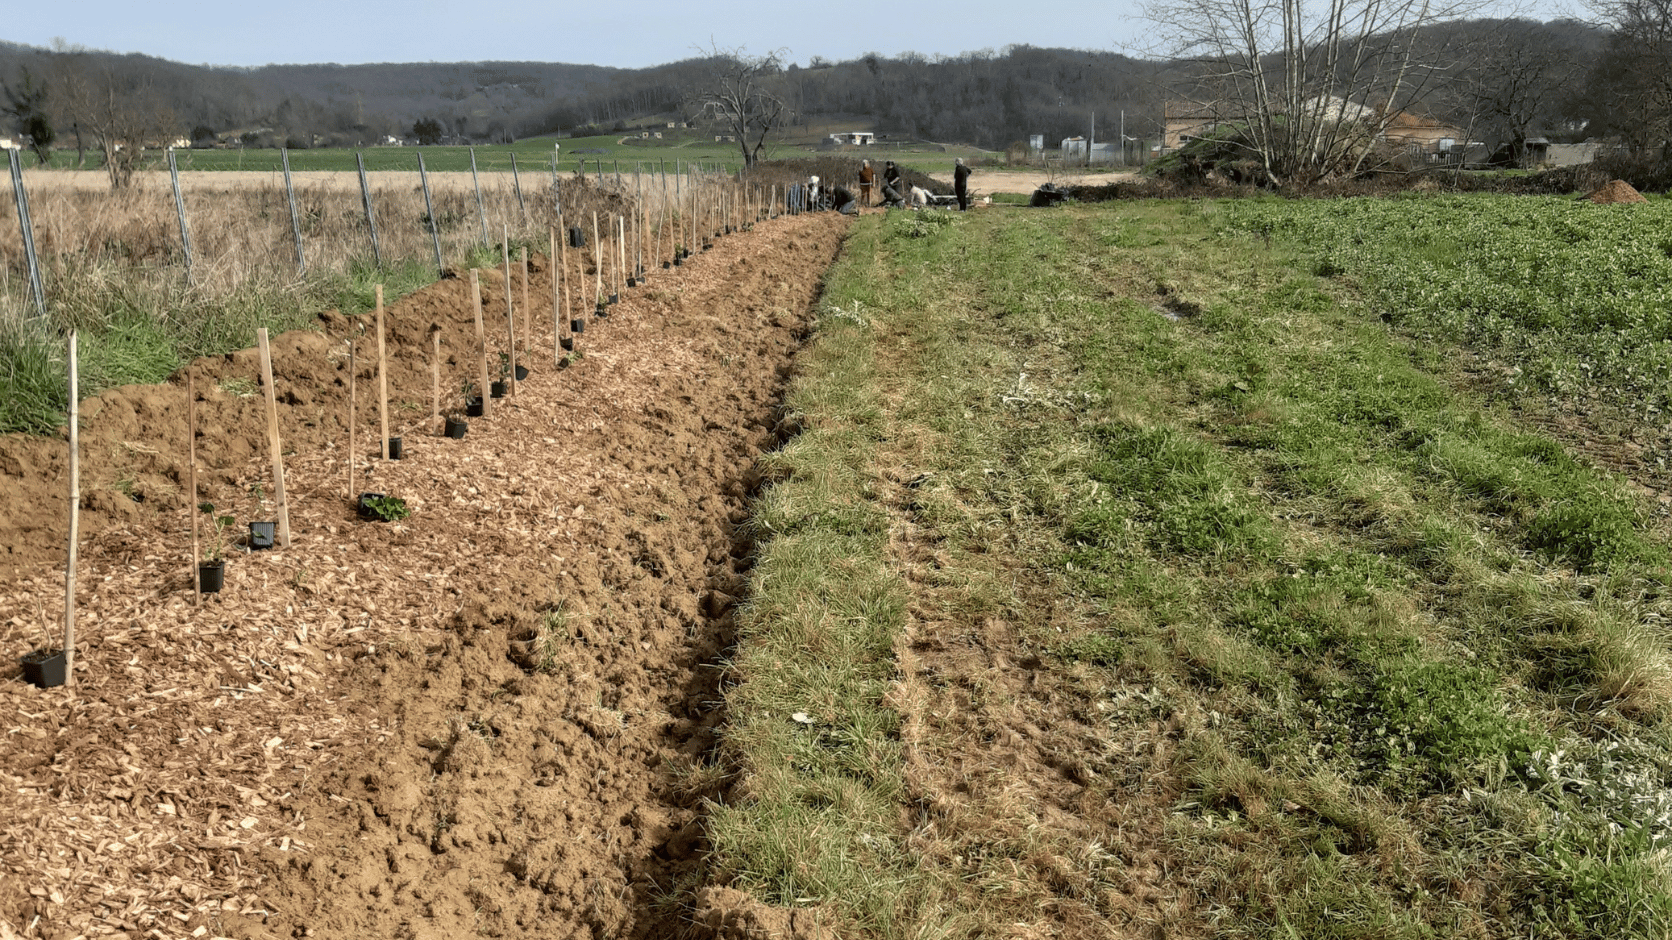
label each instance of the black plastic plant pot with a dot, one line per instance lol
(262, 535)
(473, 407)
(614, 299)
(497, 389)
(395, 450)
(44, 668)
(603, 311)
(632, 281)
(363, 506)
(678, 260)
(522, 373)
(456, 427)
(577, 326)
(567, 342)
(211, 576)
(666, 265)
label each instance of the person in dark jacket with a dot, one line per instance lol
(892, 194)
(961, 184)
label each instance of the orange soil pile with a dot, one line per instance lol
(1615, 193)
(491, 718)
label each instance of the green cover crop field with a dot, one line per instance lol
(1220, 569)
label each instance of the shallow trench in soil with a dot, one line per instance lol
(492, 718)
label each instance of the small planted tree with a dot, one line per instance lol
(211, 571)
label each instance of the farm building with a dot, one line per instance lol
(1420, 134)
(854, 138)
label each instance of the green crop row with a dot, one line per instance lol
(1574, 298)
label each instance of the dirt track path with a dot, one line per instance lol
(984, 182)
(490, 718)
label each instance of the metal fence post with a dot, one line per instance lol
(27, 229)
(516, 180)
(366, 198)
(481, 216)
(429, 206)
(557, 193)
(180, 210)
(295, 220)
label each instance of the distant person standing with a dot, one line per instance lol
(961, 185)
(866, 176)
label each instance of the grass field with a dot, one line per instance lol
(1183, 565)
(533, 155)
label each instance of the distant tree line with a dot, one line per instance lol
(1505, 81)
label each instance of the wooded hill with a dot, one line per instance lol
(988, 99)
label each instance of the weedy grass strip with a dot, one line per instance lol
(810, 727)
(1410, 652)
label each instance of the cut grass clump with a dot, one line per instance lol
(1424, 727)
(34, 393)
(1192, 502)
(1590, 531)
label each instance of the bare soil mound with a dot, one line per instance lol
(491, 718)
(1616, 193)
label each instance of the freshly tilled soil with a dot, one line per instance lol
(495, 717)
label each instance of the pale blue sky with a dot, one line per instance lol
(629, 35)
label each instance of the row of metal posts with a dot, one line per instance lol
(685, 179)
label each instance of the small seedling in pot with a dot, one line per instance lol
(45, 666)
(212, 553)
(211, 571)
(383, 508)
(502, 385)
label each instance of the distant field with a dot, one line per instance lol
(533, 154)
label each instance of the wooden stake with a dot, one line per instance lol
(621, 254)
(528, 318)
(481, 339)
(353, 405)
(382, 377)
(75, 517)
(557, 296)
(191, 483)
(510, 315)
(597, 262)
(435, 373)
(273, 438)
(511, 336)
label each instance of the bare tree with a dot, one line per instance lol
(1630, 86)
(741, 90)
(1518, 84)
(118, 109)
(1306, 85)
(27, 106)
